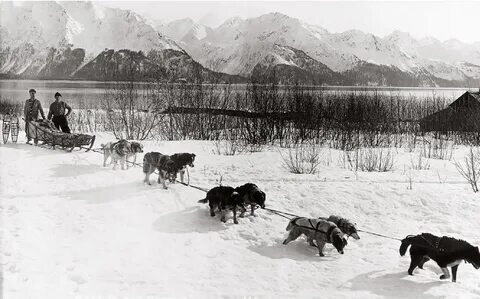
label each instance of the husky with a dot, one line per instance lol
(121, 151)
(181, 161)
(445, 251)
(347, 227)
(167, 169)
(223, 198)
(251, 195)
(321, 231)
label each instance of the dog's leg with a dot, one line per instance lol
(147, 178)
(235, 215)
(122, 162)
(105, 157)
(252, 210)
(292, 235)
(320, 246)
(310, 242)
(454, 273)
(212, 210)
(423, 261)
(242, 214)
(224, 214)
(446, 273)
(182, 174)
(161, 179)
(415, 260)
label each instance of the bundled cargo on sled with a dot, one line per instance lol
(45, 130)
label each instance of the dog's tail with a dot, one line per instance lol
(205, 200)
(405, 243)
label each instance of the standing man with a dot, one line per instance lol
(30, 111)
(57, 110)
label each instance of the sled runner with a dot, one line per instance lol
(44, 130)
(6, 127)
(14, 127)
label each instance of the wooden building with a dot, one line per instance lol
(461, 115)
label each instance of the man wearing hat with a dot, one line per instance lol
(57, 110)
(31, 109)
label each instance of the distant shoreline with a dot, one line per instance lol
(326, 87)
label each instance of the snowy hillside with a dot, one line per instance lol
(73, 229)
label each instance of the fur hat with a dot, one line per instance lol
(57, 94)
(32, 90)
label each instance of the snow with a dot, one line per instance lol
(73, 229)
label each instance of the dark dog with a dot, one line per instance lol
(224, 198)
(251, 195)
(316, 229)
(163, 163)
(445, 251)
(344, 225)
(181, 161)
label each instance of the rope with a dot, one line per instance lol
(280, 212)
(379, 235)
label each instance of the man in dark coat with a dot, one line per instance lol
(58, 110)
(31, 109)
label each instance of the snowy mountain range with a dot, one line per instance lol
(238, 46)
(66, 40)
(69, 40)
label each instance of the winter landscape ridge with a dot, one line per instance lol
(85, 40)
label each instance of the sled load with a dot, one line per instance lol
(45, 130)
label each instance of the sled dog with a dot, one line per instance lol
(181, 161)
(321, 231)
(445, 251)
(121, 151)
(163, 163)
(224, 198)
(251, 195)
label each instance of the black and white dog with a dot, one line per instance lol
(445, 251)
(167, 169)
(181, 161)
(321, 231)
(251, 195)
(223, 198)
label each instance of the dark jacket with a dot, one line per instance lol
(31, 109)
(58, 108)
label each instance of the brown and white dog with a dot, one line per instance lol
(167, 168)
(121, 151)
(181, 161)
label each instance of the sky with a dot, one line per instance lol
(440, 19)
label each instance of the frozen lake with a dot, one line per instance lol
(76, 92)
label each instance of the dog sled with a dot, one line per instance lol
(45, 130)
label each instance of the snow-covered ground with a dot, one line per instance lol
(74, 229)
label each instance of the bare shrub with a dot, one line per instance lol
(470, 168)
(438, 148)
(228, 144)
(133, 110)
(303, 158)
(419, 162)
(369, 159)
